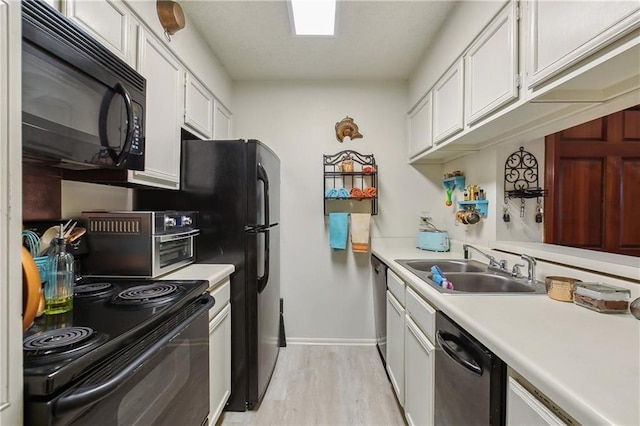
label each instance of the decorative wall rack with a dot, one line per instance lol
(350, 177)
(521, 180)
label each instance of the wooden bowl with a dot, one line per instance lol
(170, 15)
(560, 288)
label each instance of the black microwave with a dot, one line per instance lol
(82, 106)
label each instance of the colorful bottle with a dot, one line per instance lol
(58, 291)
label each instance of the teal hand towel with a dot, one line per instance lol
(338, 230)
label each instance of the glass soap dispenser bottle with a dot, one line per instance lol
(58, 291)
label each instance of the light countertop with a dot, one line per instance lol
(586, 362)
(214, 273)
(610, 263)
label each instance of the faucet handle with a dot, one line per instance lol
(515, 272)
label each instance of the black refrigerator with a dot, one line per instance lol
(234, 185)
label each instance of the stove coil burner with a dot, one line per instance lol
(93, 290)
(59, 341)
(150, 293)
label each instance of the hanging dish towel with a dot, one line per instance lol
(338, 227)
(360, 232)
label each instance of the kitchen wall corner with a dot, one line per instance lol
(79, 196)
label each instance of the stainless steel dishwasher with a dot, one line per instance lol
(379, 272)
(470, 380)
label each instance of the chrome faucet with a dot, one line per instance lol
(493, 263)
(531, 268)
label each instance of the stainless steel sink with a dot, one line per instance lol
(489, 283)
(469, 276)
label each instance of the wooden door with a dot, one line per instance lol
(593, 173)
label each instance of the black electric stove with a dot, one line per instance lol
(107, 318)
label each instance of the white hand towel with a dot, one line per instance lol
(360, 232)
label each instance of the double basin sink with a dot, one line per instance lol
(469, 276)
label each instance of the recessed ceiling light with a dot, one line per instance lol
(314, 17)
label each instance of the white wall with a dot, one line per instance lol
(486, 168)
(77, 197)
(328, 294)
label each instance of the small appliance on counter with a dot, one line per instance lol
(431, 238)
(139, 244)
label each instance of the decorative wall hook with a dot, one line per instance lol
(347, 128)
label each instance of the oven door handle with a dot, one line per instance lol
(178, 236)
(89, 395)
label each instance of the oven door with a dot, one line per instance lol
(173, 251)
(162, 380)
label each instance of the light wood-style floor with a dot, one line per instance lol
(325, 385)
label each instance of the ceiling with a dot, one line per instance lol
(374, 39)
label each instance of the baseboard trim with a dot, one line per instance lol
(325, 341)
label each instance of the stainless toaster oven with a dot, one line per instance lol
(143, 244)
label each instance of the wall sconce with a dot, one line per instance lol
(171, 17)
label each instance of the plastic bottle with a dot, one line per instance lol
(58, 291)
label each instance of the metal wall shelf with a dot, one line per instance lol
(348, 179)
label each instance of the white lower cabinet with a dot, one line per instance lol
(395, 345)
(419, 364)
(410, 350)
(219, 351)
(524, 409)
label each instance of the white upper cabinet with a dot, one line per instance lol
(491, 66)
(221, 122)
(420, 126)
(198, 108)
(448, 112)
(562, 33)
(107, 21)
(164, 114)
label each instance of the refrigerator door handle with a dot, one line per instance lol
(264, 279)
(262, 175)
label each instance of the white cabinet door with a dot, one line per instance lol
(106, 20)
(491, 66)
(448, 111)
(523, 409)
(419, 365)
(562, 33)
(221, 122)
(219, 363)
(420, 127)
(10, 215)
(164, 105)
(198, 108)
(395, 345)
